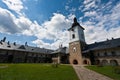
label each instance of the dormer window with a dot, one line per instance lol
(73, 36)
(73, 30)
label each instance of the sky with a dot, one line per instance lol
(45, 23)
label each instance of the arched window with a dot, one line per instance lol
(105, 54)
(74, 49)
(73, 36)
(114, 62)
(113, 53)
(75, 61)
(85, 62)
(104, 62)
(97, 62)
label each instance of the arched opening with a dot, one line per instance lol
(73, 36)
(85, 62)
(75, 62)
(113, 62)
(97, 62)
(104, 62)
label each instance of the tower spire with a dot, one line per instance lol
(75, 20)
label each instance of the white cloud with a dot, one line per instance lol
(87, 1)
(54, 29)
(72, 10)
(15, 5)
(7, 23)
(66, 7)
(88, 4)
(107, 25)
(90, 13)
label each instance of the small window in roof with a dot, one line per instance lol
(1, 42)
(9, 46)
(72, 29)
(22, 47)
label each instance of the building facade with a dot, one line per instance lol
(105, 52)
(15, 53)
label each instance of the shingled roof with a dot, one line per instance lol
(75, 23)
(63, 50)
(18, 47)
(113, 43)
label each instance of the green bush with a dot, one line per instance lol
(100, 65)
(55, 65)
(117, 69)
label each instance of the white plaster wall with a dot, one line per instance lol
(77, 31)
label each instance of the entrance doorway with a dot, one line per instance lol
(75, 61)
(85, 62)
(114, 62)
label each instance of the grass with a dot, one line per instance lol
(37, 72)
(106, 70)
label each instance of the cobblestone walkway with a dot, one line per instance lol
(86, 74)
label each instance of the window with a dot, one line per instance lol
(73, 30)
(105, 54)
(73, 36)
(98, 54)
(74, 49)
(113, 53)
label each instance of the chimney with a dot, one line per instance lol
(95, 43)
(4, 39)
(112, 38)
(8, 43)
(1, 42)
(14, 43)
(26, 44)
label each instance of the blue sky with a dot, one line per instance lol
(44, 23)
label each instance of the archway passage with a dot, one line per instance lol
(75, 62)
(85, 62)
(104, 62)
(97, 62)
(114, 62)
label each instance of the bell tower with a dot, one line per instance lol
(77, 43)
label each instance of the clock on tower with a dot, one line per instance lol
(77, 42)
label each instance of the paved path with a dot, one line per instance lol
(86, 74)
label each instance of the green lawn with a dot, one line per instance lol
(37, 72)
(105, 70)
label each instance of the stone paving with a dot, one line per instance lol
(86, 74)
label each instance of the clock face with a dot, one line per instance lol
(74, 49)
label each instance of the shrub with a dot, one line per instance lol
(100, 65)
(55, 65)
(117, 69)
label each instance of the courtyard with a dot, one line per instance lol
(36, 72)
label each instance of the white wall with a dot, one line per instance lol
(78, 34)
